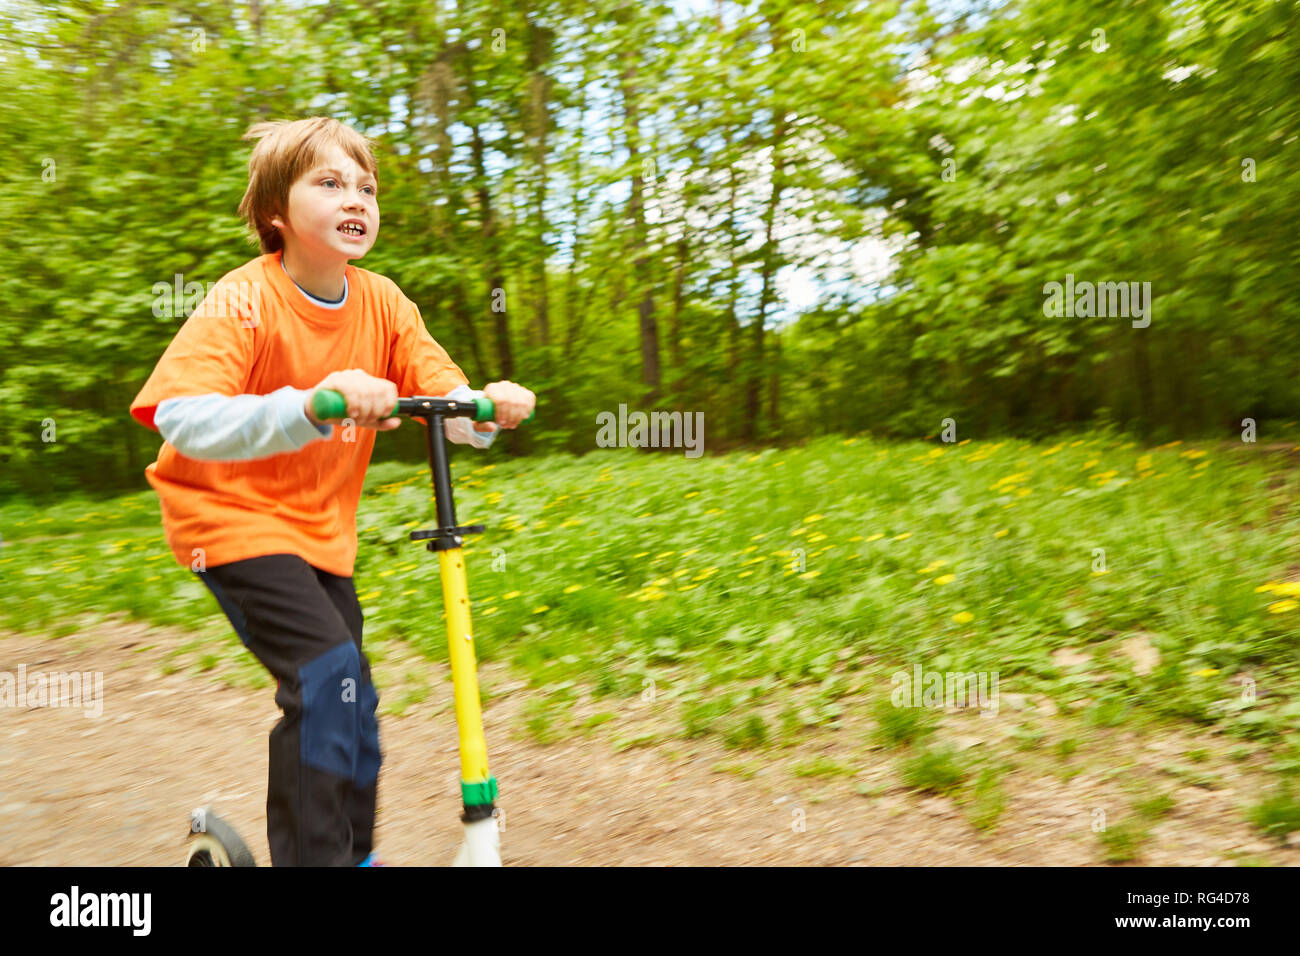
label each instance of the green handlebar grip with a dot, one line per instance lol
(327, 403)
(487, 411)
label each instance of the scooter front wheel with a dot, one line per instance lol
(215, 843)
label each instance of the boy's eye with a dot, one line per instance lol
(328, 182)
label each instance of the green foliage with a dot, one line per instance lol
(577, 199)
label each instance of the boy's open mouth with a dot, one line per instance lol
(353, 227)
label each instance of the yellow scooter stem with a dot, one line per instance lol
(464, 667)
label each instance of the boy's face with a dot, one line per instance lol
(333, 210)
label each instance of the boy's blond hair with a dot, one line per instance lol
(285, 150)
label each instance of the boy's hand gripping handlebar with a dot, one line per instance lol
(328, 404)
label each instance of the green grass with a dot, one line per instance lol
(814, 571)
(897, 726)
(1155, 806)
(987, 801)
(1122, 843)
(937, 770)
(749, 733)
(1278, 814)
(539, 720)
(822, 767)
(744, 770)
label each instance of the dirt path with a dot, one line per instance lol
(118, 789)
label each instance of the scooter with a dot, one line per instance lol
(214, 842)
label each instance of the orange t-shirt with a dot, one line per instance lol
(254, 333)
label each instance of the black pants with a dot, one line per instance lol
(304, 625)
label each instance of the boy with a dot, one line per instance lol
(259, 497)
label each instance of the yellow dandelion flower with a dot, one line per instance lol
(903, 537)
(856, 537)
(807, 575)
(572, 587)
(512, 594)
(811, 518)
(1207, 672)
(690, 494)
(945, 579)
(745, 574)
(1281, 607)
(875, 537)
(1001, 534)
(1266, 587)
(641, 555)
(489, 610)
(687, 587)
(963, 617)
(542, 609)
